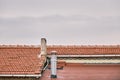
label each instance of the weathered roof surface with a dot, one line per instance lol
(23, 59)
(71, 49)
(14, 60)
(85, 72)
(85, 50)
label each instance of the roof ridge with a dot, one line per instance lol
(19, 46)
(84, 46)
(59, 46)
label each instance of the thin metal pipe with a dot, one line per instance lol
(86, 55)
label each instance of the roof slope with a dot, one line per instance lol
(70, 50)
(20, 61)
(85, 50)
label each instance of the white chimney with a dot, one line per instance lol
(53, 64)
(43, 47)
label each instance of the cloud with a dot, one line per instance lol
(61, 21)
(13, 8)
(60, 27)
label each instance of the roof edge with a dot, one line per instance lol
(20, 75)
(84, 46)
(86, 55)
(59, 46)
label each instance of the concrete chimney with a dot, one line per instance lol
(43, 47)
(53, 64)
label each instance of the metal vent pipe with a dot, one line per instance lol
(53, 64)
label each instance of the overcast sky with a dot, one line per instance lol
(61, 22)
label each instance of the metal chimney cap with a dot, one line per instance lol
(43, 39)
(53, 52)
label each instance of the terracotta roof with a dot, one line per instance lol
(85, 50)
(72, 49)
(14, 60)
(23, 59)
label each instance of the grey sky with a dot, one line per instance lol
(60, 21)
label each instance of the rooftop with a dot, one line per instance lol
(70, 49)
(20, 61)
(23, 59)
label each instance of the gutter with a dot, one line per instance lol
(20, 75)
(86, 55)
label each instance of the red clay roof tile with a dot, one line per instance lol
(23, 59)
(85, 50)
(20, 61)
